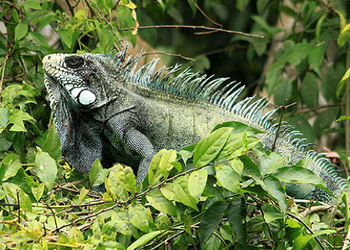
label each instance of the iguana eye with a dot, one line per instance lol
(74, 62)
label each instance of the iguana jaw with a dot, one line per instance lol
(59, 79)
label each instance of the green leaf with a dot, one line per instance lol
(45, 168)
(9, 167)
(21, 31)
(316, 57)
(242, 4)
(17, 118)
(227, 177)
(32, 5)
(273, 74)
(38, 191)
(11, 189)
(213, 243)
(159, 202)
(343, 117)
(125, 177)
(236, 215)
(283, 91)
(24, 201)
(342, 82)
(274, 187)
(114, 188)
(295, 54)
(263, 24)
(178, 191)
(344, 35)
(52, 144)
(120, 220)
(182, 193)
(166, 161)
(210, 220)
(97, 174)
(168, 191)
(309, 90)
(15, 15)
(197, 182)
(139, 217)
(209, 147)
(269, 163)
(302, 175)
(144, 239)
(4, 118)
(237, 165)
(82, 194)
(75, 236)
(154, 170)
(66, 37)
(236, 144)
(319, 27)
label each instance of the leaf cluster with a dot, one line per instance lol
(224, 192)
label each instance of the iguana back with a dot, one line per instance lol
(104, 109)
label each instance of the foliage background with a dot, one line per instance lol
(294, 50)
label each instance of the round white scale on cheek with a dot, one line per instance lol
(76, 91)
(68, 86)
(86, 97)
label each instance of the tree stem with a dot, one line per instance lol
(347, 102)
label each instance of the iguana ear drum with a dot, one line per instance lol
(74, 62)
(86, 98)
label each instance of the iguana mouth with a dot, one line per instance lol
(52, 90)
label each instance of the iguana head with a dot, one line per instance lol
(77, 78)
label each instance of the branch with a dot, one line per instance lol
(9, 52)
(347, 102)
(193, 27)
(205, 14)
(307, 227)
(167, 54)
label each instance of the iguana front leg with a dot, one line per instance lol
(125, 137)
(137, 142)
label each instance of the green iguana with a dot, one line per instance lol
(104, 108)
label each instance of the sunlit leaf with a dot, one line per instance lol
(197, 182)
(46, 169)
(139, 217)
(208, 148)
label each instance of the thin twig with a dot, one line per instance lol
(316, 209)
(193, 27)
(110, 25)
(263, 216)
(283, 108)
(19, 207)
(347, 102)
(167, 54)
(121, 203)
(9, 52)
(307, 227)
(320, 107)
(167, 239)
(53, 214)
(205, 14)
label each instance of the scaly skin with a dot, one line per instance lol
(104, 110)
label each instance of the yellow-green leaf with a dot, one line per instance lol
(197, 182)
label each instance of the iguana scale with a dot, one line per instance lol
(105, 108)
